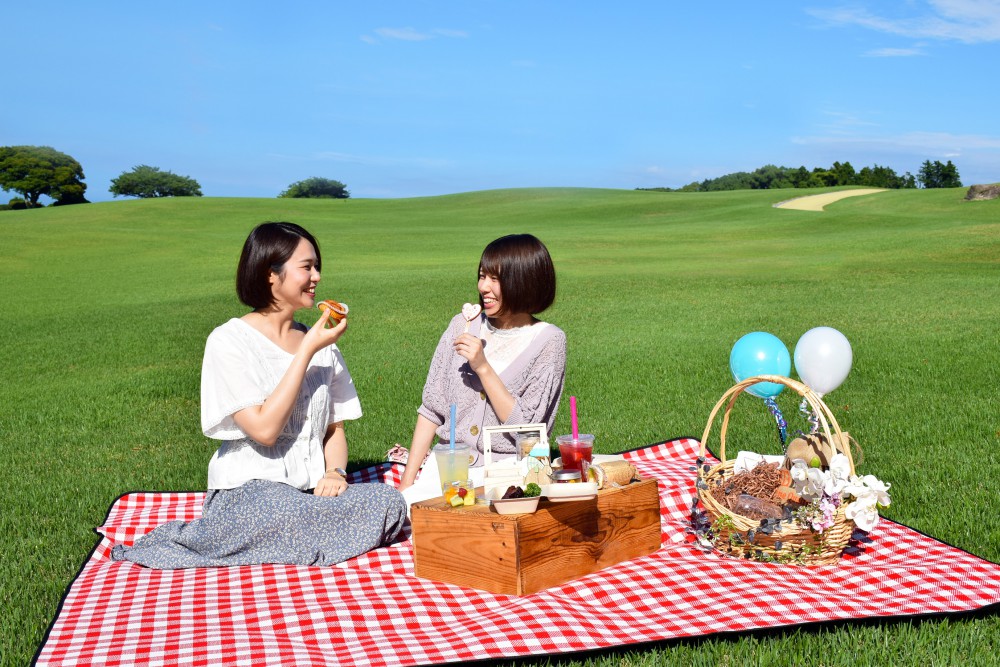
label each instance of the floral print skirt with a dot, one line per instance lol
(271, 522)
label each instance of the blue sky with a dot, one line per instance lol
(417, 98)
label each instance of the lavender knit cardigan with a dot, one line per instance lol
(535, 380)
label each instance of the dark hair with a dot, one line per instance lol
(268, 247)
(524, 268)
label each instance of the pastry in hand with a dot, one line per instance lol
(338, 311)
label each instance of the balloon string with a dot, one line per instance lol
(778, 417)
(810, 416)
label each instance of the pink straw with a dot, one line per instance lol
(572, 414)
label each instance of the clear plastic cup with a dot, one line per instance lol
(576, 453)
(452, 462)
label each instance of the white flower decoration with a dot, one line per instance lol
(808, 482)
(862, 511)
(838, 476)
(880, 488)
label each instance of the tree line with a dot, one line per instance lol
(769, 177)
(36, 171)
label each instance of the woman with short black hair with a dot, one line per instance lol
(277, 394)
(506, 367)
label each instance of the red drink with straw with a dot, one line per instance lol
(576, 450)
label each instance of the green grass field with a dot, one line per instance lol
(106, 308)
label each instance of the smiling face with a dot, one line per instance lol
(490, 294)
(295, 285)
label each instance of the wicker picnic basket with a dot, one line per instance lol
(789, 541)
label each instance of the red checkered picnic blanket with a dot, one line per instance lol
(372, 610)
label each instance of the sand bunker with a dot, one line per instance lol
(817, 202)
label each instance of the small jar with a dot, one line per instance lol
(525, 443)
(566, 476)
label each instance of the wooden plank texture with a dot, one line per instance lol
(524, 553)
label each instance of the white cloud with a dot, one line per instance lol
(969, 21)
(409, 34)
(894, 53)
(842, 122)
(938, 143)
(446, 32)
(405, 34)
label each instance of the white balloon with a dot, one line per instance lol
(823, 358)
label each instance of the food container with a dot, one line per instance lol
(460, 494)
(558, 493)
(566, 476)
(525, 443)
(516, 505)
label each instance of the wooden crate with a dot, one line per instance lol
(523, 553)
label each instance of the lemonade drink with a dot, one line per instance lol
(452, 462)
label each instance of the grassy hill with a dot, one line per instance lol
(107, 306)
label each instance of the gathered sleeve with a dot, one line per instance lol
(232, 379)
(537, 399)
(344, 402)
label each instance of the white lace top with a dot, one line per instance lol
(501, 346)
(241, 368)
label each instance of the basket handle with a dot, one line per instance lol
(819, 408)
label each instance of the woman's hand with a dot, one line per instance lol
(332, 484)
(264, 422)
(319, 336)
(471, 347)
(423, 436)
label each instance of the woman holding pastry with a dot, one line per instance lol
(497, 363)
(277, 394)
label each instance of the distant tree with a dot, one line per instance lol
(799, 177)
(316, 188)
(145, 182)
(930, 174)
(878, 177)
(949, 176)
(843, 174)
(739, 180)
(770, 177)
(937, 175)
(33, 171)
(822, 178)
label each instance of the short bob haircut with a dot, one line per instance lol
(523, 266)
(268, 247)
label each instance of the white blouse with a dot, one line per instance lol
(241, 368)
(502, 346)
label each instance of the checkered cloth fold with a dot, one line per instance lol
(372, 610)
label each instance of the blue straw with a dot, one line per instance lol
(453, 426)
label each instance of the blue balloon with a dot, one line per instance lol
(760, 353)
